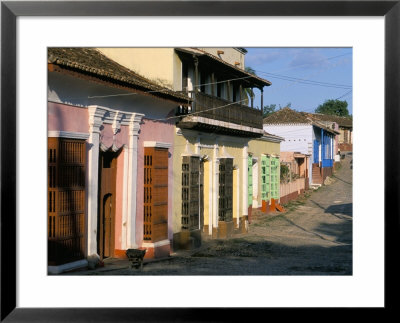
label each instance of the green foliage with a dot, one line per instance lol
(248, 69)
(333, 107)
(268, 109)
(271, 108)
(284, 173)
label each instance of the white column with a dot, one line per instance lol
(197, 146)
(238, 195)
(245, 179)
(210, 196)
(255, 185)
(215, 185)
(125, 199)
(95, 121)
(134, 126)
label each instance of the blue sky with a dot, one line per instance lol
(327, 72)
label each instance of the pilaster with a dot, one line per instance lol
(245, 175)
(134, 126)
(96, 115)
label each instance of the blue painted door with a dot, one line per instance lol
(316, 151)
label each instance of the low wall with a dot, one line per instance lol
(292, 190)
(345, 147)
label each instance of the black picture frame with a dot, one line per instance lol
(10, 10)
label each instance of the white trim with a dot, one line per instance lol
(245, 180)
(238, 195)
(215, 187)
(97, 117)
(197, 146)
(156, 244)
(210, 195)
(114, 117)
(157, 144)
(125, 199)
(105, 148)
(134, 126)
(68, 134)
(271, 138)
(188, 151)
(93, 166)
(223, 124)
(255, 182)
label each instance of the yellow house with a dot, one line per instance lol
(264, 175)
(214, 136)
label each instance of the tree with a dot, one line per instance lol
(271, 108)
(268, 109)
(333, 107)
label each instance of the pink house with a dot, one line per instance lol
(110, 134)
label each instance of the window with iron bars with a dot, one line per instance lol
(192, 193)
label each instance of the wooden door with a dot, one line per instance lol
(66, 200)
(155, 204)
(106, 210)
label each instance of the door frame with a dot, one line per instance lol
(103, 192)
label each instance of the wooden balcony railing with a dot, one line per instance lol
(229, 111)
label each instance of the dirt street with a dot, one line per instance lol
(314, 237)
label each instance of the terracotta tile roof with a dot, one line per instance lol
(341, 121)
(198, 51)
(289, 116)
(286, 116)
(91, 61)
(270, 135)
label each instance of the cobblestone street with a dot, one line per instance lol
(313, 237)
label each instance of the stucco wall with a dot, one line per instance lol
(230, 55)
(259, 147)
(74, 119)
(160, 65)
(74, 91)
(227, 147)
(62, 117)
(297, 137)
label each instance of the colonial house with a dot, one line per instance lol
(305, 136)
(264, 172)
(217, 137)
(110, 148)
(344, 127)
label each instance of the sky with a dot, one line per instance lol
(304, 77)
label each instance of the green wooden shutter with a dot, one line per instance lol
(264, 178)
(275, 178)
(250, 180)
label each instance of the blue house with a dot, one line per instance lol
(306, 136)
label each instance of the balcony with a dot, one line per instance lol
(234, 118)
